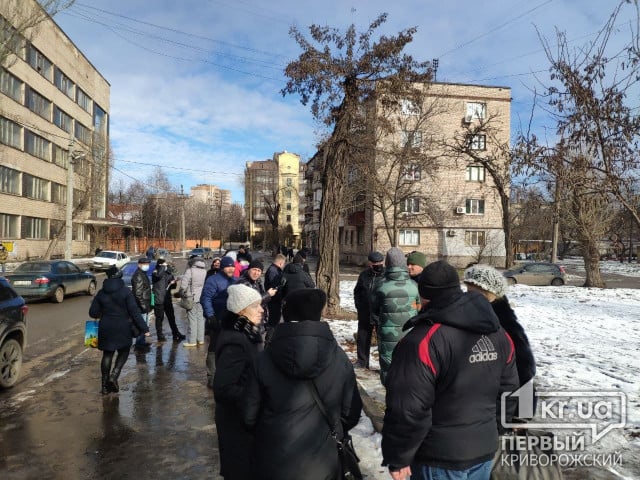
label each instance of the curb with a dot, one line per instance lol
(372, 408)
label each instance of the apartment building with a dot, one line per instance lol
(270, 185)
(211, 195)
(453, 210)
(54, 132)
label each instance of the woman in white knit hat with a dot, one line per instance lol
(236, 348)
(492, 284)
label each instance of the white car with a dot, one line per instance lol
(106, 258)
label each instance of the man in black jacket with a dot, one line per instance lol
(141, 288)
(445, 382)
(273, 279)
(163, 281)
(367, 282)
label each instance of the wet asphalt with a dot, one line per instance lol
(159, 426)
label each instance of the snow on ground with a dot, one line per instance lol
(606, 266)
(583, 340)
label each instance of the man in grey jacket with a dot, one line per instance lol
(191, 284)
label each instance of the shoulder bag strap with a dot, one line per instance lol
(316, 396)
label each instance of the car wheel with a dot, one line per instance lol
(511, 281)
(92, 289)
(58, 295)
(557, 282)
(10, 363)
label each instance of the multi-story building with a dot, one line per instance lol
(54, 133)
(276, 185)
(212, 196)
(453, 211)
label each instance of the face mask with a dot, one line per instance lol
(144, 268)
(377, 268)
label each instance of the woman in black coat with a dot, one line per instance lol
(236, 347)
(116, 308)
(292, 437)
(294, 277)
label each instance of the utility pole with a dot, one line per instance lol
(68, 232)
(182, 221)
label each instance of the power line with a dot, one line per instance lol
(197, 170)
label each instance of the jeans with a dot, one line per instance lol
(195, 329)
(481, 471)
(141, 341)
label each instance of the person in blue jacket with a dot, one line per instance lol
(214, 305)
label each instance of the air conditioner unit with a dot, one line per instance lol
(468, 118)
(460, 210)
(451, 233)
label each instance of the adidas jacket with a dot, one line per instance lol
(444, 387)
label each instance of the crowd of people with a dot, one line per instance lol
(285, 391)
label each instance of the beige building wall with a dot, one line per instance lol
(211, 195)
(28, 219)
(452, 231)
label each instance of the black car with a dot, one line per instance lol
(13, 334)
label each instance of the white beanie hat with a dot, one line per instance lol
(487, 278)
(240, 297)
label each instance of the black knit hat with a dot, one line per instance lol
(438, 279)
(375, 257)
(113, 272)
(256, 264)
(304, 304)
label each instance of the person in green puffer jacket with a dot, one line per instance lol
(394, 301)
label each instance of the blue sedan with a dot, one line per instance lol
(52, 279)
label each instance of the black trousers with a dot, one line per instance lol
(363, 342)
(107, 359)
(160, 310)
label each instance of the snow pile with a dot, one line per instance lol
(583, 340)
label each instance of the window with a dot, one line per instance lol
(11, 86)
(289, 182)
(477, 142)
(99, 120)
(475, 173)
(82, 133)
(287, 194)
(9, 180)
(411, 173)
(64, 84)
(409, 238)
(10, 39)
(288, 207)
(38, 104)
(410, 205)
(34, 227)
(10, 133)
(476, 110)
(62, 120)
(35, 187)
(474, 238)
(288, 218)
(83, 100)
(37, 146)
(8, 225)
(360, 234)
(40, 63)
(60, 156)
(474, 206)
(412, 138)
(79, 233)
(58, 194)
(409, 107)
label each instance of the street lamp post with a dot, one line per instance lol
(68, 232)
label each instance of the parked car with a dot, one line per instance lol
(231, 253)
(13, 333)
(106, 258)
(130, 268)
(537, 273)
(164, 254)
(52, 279)
(201, 252)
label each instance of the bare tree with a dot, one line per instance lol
(337, 77)
(22, 22)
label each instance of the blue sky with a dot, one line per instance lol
(195, 84)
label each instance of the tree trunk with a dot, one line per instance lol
(328, 269)
(506, 226)
(591, 257)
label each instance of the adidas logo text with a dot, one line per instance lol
(483, 351)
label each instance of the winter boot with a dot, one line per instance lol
(105, 380)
